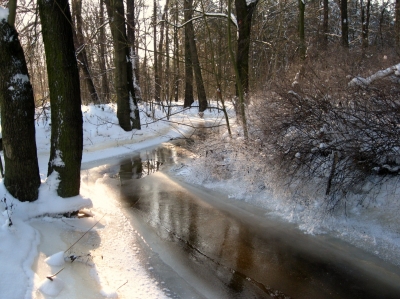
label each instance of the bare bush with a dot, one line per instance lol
(333, 137)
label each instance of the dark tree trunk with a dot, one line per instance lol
(123, 68)
(105, 89)
(188, 65)
(397, 24)
(365, 16)
(302, 46)
(244, 14)
(21, 177)
(176, 55)
(65, 100)
(80, 49)
(132, 70)
(345, 23)
(325, 25)
(201, 92)
(160, 58)
(157, 81)
(167, 59)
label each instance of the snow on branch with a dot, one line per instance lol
(207, 14)
(363, 82)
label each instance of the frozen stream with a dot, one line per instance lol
(200, 244)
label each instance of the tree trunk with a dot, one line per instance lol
(80, 49)
(132, 71)
(345, 23)
(244, 14)
(397, 24)
(122, 80)
(21, 177)
(239, 85)
(157, 82)
(325, 25)
(176, 55)
(160, 59)
(201, 92)
(105, 89)
(65, 101)
(188, 64)
(365, 15)
(167, 62)
(302, 46)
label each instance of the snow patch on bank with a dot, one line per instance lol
(368, 220)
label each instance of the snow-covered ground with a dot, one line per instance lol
(42, 255)
(107, 263)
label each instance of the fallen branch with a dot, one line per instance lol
(364, 82)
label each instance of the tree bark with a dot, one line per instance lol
(188, 64)
(325, 25)
(65, 100)
(132, 65)
(345, 23)
(365, 16)
(80, 49)
(244, 14)
(239, 85)
(397, 24)
(123, 72)
(157, 81)
(176, 54)
(21, 177)
(302, 46)
(105, 89)
(201, 92)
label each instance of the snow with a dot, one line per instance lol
(42, 255)
(3, 13)
(35, 237)
(249, 2)
(56, 259)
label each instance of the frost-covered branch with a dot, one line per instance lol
(207, 14)
(363, 82)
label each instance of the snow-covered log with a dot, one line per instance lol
(363, 82)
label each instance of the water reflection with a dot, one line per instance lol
(248, 257)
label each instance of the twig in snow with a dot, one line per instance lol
(85, 233)
(50, 277)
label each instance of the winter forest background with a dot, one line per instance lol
(314, 86)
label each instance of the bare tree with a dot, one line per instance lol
(80, 48)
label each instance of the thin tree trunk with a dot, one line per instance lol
(157, 82)
(105, 89)
(325, 25)
(132, 70)
(201, 92)
(176, 54)
(215, 73)
(65, 101)
(365, 16)
(167, 59)
(122, 80)
(161, 57)
(188, 63)
(237, 77)
(244, 14)
(302, 46)
(397, 25)
(80, 49)
(344, 21)
(21, 177)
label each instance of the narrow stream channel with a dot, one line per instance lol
(206, 246)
